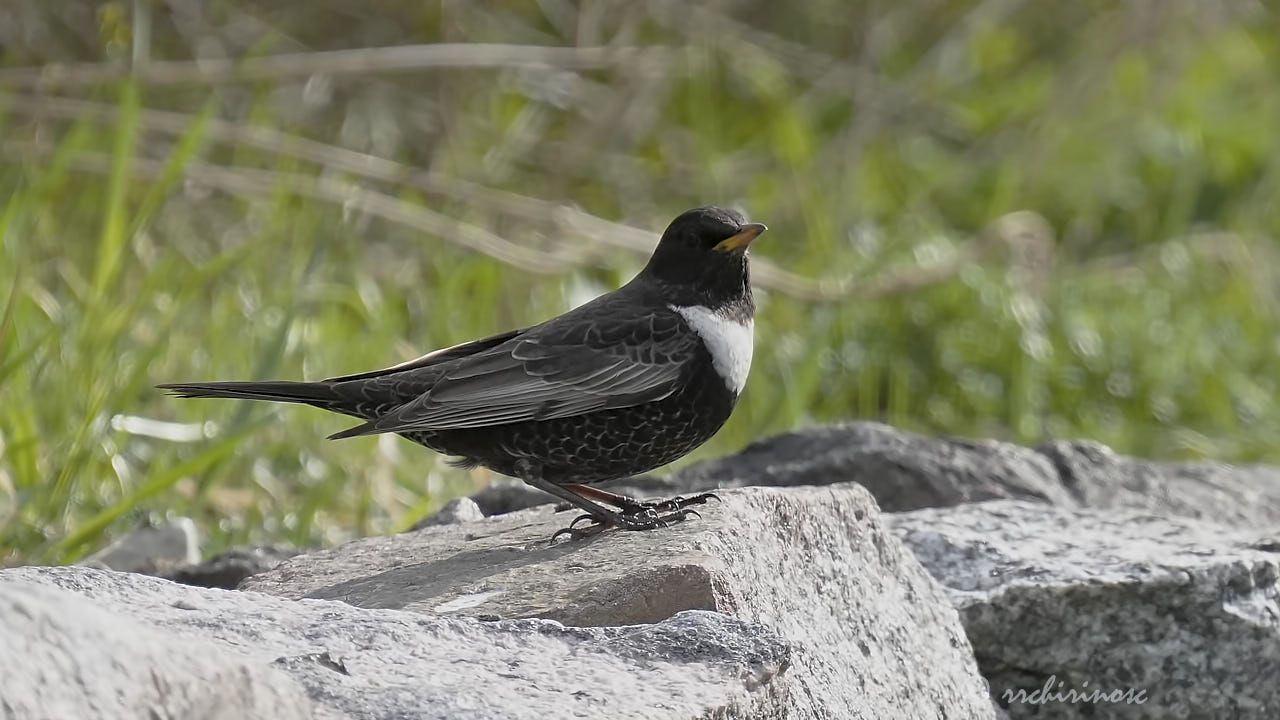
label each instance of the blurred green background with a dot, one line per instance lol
(1020, 220)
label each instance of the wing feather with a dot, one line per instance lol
(548, 372)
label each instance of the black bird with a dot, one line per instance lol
(630, 381)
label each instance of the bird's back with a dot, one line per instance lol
(371, 395)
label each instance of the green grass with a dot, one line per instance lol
(1136, 303)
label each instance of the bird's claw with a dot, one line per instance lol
(679, 502)
(644, 516)
(579, 533)
(647, 520)
(580, 518)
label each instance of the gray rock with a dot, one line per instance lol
(227, 570)
(63, 655)
(875, 636)
(904, 471)
(1180, 613)
(81, 642)
(1097, 477)
(457, 510)
(151, 550)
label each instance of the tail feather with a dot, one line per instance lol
(311, 393)
(357, 431)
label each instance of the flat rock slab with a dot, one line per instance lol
(1181, 614)
(875, 636)
(68, 655)
(80, 642)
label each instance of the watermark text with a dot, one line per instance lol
(1056, 691)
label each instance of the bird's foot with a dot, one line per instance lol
(679, 502)
(660, 507)
(595, 527)
(648, 517)
(652, 518)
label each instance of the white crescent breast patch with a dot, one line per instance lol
(728, 341)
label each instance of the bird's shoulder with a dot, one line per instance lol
(610, 353)
(632, 321)
(625, 323)
(436, 358)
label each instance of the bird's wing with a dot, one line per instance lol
(571, 366)
(435, 357)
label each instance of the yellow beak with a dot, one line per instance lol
(745, 236)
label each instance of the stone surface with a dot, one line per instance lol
(904, 471)
(1183, 611)
(151, 550)
(228, 569)
(1098, 477)
(875, 637)
(64, 655)
(457, 510)
(88, 643)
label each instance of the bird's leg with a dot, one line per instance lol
(632, 506)
(631, 515)
(658, 512)
(602, 516)
(646, 519)
(626, 503)
(593, 509)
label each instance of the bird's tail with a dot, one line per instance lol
(320, 394)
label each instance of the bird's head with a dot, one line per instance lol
(704, 253)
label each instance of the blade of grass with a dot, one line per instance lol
(114, 236)
(68, 548)
(21, 355)
(45, 178)
(21, 435)
(98, 310)
(188, 147)
(22, 447)
(6, 320)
